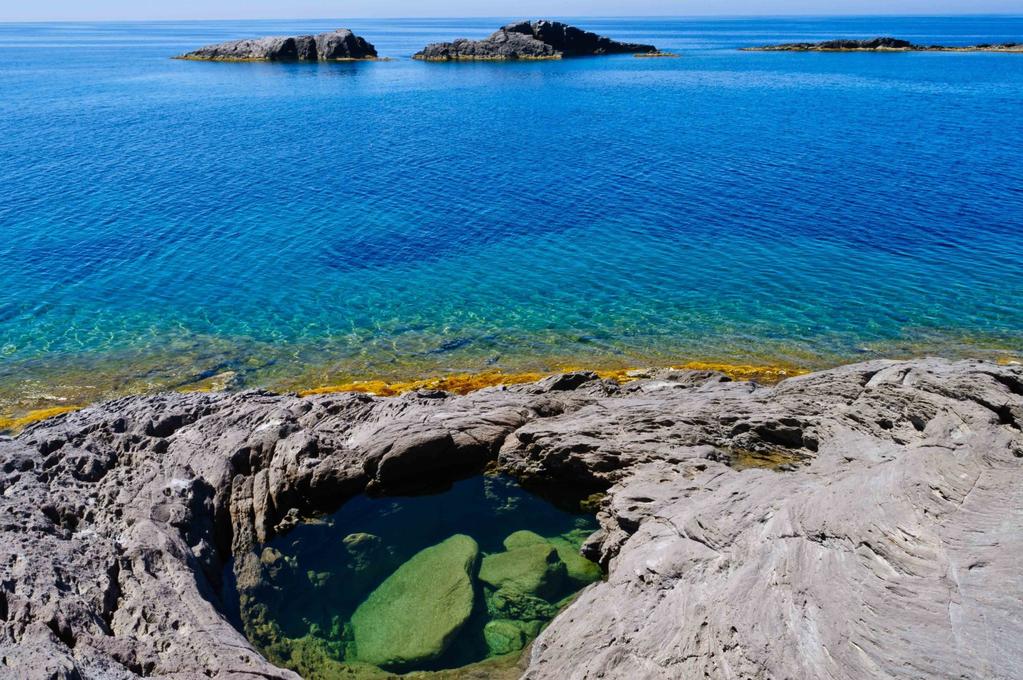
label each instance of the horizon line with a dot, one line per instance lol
(737, 17)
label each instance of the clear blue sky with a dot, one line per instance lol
(19, 10)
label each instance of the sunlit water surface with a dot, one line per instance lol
(163, 222)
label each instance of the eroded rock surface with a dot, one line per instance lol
(885, 543)
(339, 45)
(530, 40)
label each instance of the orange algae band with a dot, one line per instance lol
(743, 372)
(464, 383)
(12, 424)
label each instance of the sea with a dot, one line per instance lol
(166, 224)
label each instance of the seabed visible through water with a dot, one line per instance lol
(429, 583)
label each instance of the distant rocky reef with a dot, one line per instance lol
(882, 45)
(530, 40)
(339, 45)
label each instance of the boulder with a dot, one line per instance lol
(513, 604)
(368, 558)
(414, 615)
(530, 40)
(521, 539)
(533, 569)
(504, 636)
(579, 569)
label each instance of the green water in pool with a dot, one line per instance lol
(420, 583)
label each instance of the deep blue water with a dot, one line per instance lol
(169, 218)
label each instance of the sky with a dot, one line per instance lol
(20, 10)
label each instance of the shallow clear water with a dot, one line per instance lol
(304, 613)
(162, 220)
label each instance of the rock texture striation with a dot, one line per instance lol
(882, 45)
(339, 45)
(530, 40)
(862, 522)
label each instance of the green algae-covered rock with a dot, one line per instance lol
(413, 616)
(511, 604)
(533, 569)
(580, 570)
(504, 636)
(521, 539)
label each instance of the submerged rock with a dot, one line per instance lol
(514, 604)
(504, 636)
(524, 40)
(415, 614)
(339, 45)
(522, 539)
(533, 569)
(368, 558)
(578, 569)
(881, 45)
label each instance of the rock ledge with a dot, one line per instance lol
(862, 522)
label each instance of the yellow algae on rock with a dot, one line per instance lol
(13, 424)
(462, 383)
(744, 372)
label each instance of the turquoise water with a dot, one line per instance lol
(162, 221)
(303, 610)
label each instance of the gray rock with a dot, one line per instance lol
(524, 40)
(883, 543)
(881, 45)
(339, 45)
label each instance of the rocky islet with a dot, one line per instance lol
(534, 40)
(883, 44)
(339, 45)
(523, 40)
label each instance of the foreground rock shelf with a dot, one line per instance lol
(872, 529)
(882, 45)
(530, 41)
(339, 45)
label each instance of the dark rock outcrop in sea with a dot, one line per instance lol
(881, 45)
(524, 40)
(339, 45)
(862, 522)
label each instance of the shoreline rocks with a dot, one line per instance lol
(885, 545)
(881, 45)
(339, 45)
(535, 40)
